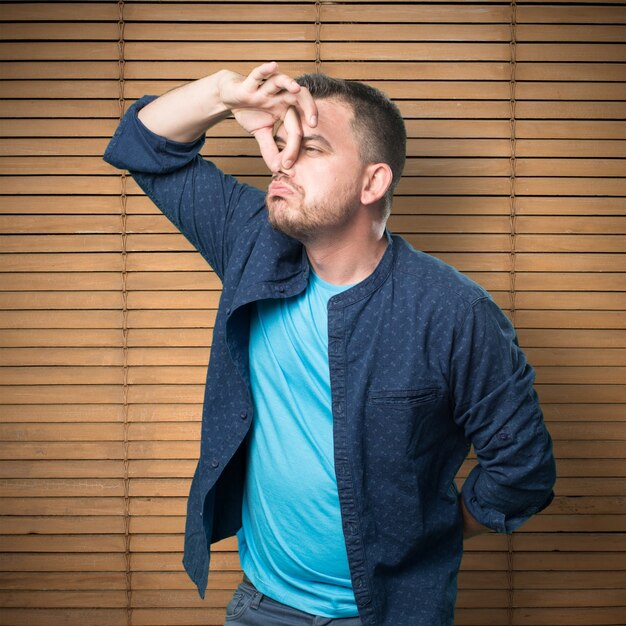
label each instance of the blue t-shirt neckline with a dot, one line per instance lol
(316, 280)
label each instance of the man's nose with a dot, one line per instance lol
(289, 172)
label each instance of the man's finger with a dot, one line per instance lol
(306, 105)
(280, 82)
(269, 149)
(293, 129)
(260, 74)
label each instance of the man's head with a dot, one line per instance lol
(376, 121)
(348, 164)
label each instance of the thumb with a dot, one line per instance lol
(269, 149)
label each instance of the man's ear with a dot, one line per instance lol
(376, 181)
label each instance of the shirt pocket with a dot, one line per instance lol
(402, 460)
(404, 424)
(399, 398)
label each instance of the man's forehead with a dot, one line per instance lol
(334, 116)
(331, 111)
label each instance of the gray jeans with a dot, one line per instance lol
(250, 607)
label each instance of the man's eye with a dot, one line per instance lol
(312, 149)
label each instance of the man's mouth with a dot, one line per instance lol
(279, 188)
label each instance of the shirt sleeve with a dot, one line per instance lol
(497, 407)
(210, 208)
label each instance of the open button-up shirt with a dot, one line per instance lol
(423, 364)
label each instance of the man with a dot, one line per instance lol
(349, 373)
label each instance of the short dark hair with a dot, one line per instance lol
(377, 122)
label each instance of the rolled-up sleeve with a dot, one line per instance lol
(136, 148)
(497, 407)
(208, 207)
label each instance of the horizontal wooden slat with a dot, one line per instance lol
(606, 52)
(401, 90)
(192, 261)
(90, 225)
(92, 31)
(331, 13)
(92, 412)
(573, 15)
(414, 205)
(62, 580)
(372, 71)
(175, 431)
(536, 129)
(51, 11)
(60, 109)
(414, 167)
(569, 33)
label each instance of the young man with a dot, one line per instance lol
(349, 373)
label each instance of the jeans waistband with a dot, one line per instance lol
(248, 581)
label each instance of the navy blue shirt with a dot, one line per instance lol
(422, 364)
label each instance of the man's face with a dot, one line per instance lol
(322, 190)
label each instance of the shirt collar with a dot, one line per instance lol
(372, 282)
(279, 267)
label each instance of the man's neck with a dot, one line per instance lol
(347, 260)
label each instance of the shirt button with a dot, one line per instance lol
(243, 415)
(215, 463)
(339, 408)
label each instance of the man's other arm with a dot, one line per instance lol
(498, 409)
(471, 526)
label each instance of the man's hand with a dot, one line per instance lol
(258, 101)
(471, 526)
(263, 98)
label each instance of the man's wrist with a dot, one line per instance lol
(208, 94)
(471, 526)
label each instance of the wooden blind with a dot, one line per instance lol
(515, 175)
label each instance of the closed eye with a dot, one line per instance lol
(321, 144)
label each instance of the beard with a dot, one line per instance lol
(305, 221)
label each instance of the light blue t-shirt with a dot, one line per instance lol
(291, 544)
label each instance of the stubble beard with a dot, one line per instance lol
(297, 218)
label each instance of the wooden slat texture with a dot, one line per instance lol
(67, 349)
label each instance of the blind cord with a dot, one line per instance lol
(512, 161)
(318, 37)
(124, 276)
(513, 258)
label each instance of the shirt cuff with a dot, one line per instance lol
(136, 148)
(502, 509)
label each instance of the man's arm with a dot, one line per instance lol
(257, 101)
(498, 409)
(159, 139)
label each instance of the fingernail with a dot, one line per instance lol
(288, 163)
(313, 120)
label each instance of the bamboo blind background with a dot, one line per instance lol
(515, 175)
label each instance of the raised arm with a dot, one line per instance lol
(159, 139)
(257, 101)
